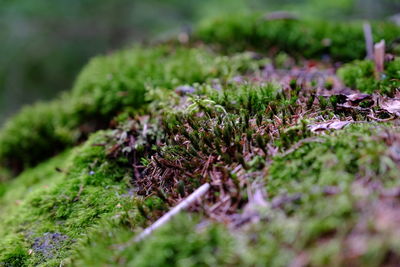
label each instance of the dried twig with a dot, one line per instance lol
(169, 215)
(379, 57)
(381, 120)
(369, 43)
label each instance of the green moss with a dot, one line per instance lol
(106, 86)
(15, 255)
(36, 133)
(338, 163)
(316, 222)
(177, 244)
(301, 38)
(80, 207)
(31, 180)
(111, 82)
(55, 207)
(84, 206)
(341, 154)
(236, 98)
(185, 241)
(361, 75)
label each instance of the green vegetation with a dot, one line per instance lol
(340, 41)
(361, 75)
(210, 248)
(313, 210)
(37, 132)
(105, 87)
(44, 46)
(45, 209)
(301, 173)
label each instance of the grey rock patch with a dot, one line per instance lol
(48, 244)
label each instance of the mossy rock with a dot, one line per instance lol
(105, 87)
(297, 176)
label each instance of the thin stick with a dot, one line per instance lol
(369, 43)
(379, 56)
(168, 216)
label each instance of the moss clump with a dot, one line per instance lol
(361, 75)
(37, 132)
(320, 198)
(121, 80)
(326, 192)
(289, 185)
(15, 257)
(45, 211)
(177, 244)
(300, 38)
(105, 87)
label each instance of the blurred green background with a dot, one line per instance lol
(44, 44)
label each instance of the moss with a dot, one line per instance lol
(36, 133)
(179, 243)
(361, 75)
(31, 180)
(111, 82)
(84, 206)
(236, 98)
(48, 210)
(342, 41)
(16, 255)
(354, 152)
(106, 86)
(185, 241)
(84, 210)
(336, 163)
(87, 195)
(317, 222)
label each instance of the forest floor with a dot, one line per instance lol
(298, 161)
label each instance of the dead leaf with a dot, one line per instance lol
(358, 97)
(332, 125)
(338, 125)
(392, 106)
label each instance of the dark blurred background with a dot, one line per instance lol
(44, 44)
